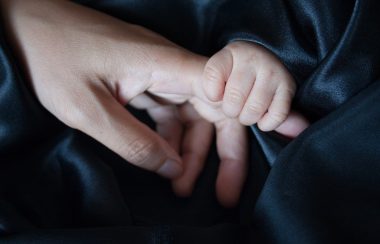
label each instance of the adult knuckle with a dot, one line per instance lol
(139, 151)
(75, 114)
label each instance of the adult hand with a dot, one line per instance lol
(84, 66)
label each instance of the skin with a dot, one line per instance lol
(252, 84)
(262, 90)
(85, 66)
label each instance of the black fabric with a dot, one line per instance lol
(59, 186)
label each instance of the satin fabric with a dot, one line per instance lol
(59, 186)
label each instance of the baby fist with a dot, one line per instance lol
(251, 83)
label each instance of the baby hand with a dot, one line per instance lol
(252, 85)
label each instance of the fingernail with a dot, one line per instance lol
(170, 169)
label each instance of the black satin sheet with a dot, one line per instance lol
(59, 186)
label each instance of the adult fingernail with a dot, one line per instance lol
(170, 169)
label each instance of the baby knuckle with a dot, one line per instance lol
(234, 96)
(247, 120)
(233, 47)
(211, 73)
(278, 116)
(271, 75)
(238, 46)
(290, 89)
(256, 108)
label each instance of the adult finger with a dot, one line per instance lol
(100, 116)
(294, 124)
(232, 143)
(195, 147)
(168, 126)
